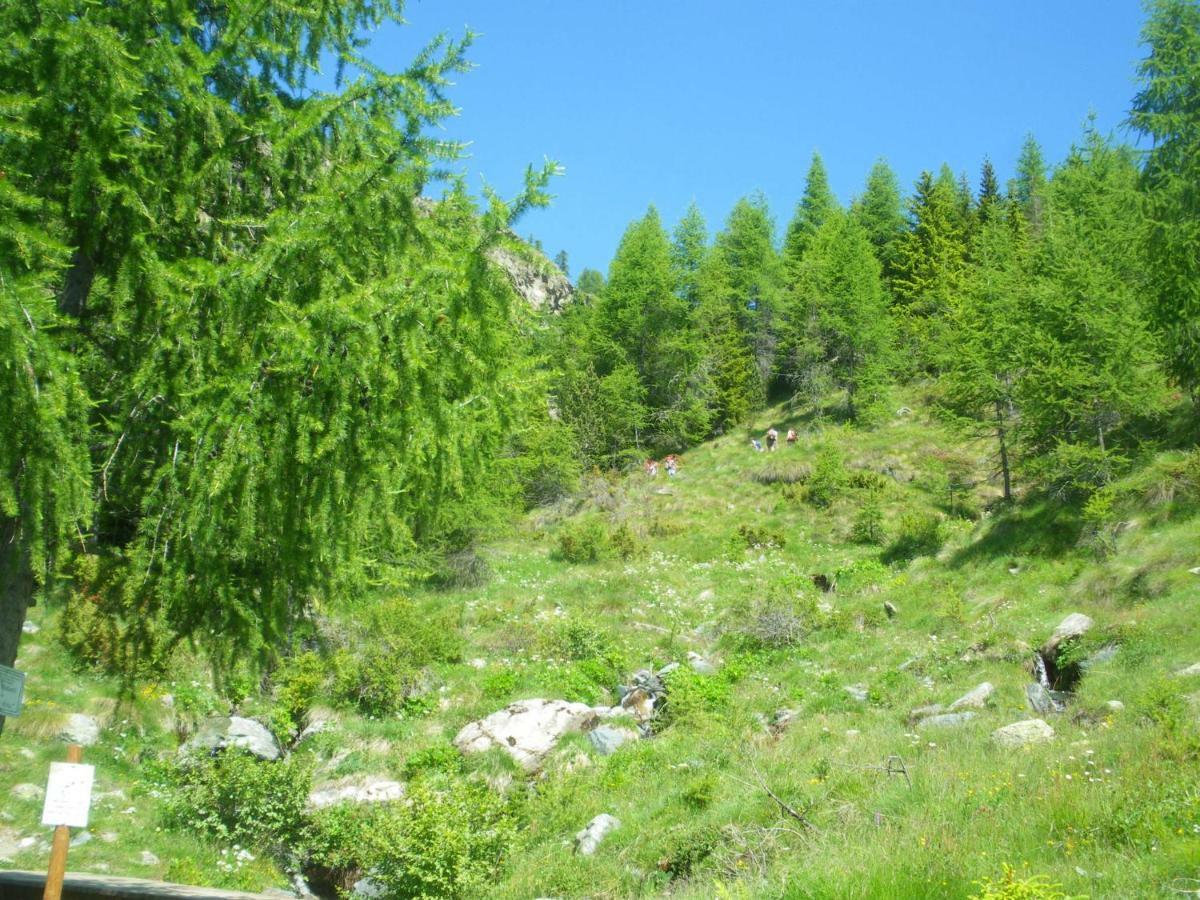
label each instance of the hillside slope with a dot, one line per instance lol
(785, 759)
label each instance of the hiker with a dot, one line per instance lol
(652, 468)
(756, 445)
(772, 439)
(791, 436)
(672, 464)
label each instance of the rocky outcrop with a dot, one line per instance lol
(80, 729)
(355, 789)
(589, 839)
(233, 731)
(1018, 734)
(976, 698)
(945, 720)
(541, 283)
(528, 730)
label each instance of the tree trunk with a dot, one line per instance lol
(1002, 437)
(16, 590)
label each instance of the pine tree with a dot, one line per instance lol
(1167, 109)
(1029, 187)
(590, 284)
(814, 208)
(881, 214)
(1090, 360)
(988, 205)
(687, 254)
(560, 260)
(838, 319)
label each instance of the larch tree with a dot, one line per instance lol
(815, 206)
(1167, 109)
(880, 212)
(688, 246)
(1029, 186)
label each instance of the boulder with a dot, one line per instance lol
(148, 859)
(1018, 734)
(1076, 625)
(26, 791)
(857, 692)
(220, 732)
(946, 720)
(607, 738)
(355, 789)
(976, 698)
(589, 839)
(924, 712)
(1041, 699)
(1114, 705)
(1193, 669)
(699, 664)
(80, 729)
(527, 730)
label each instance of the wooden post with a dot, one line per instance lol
(62, 840)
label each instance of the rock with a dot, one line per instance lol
(667, 669)
(26, 791)
(782, 720)
(699, 664)
(1193, 669)
(890, 608)
(589, 839)
(606, 738)
(924, 712)
(1041, 699)
(946, 720)
(903, 411)
(355, 789)
(83, 837)
(1018, 734)
(857, 691)
(366, 889)
(1076, 625)
(1195, 571)
(708, 595)
(30, 627)
(644, 695)
(976, 698)
(233, 731)
(478, 663)
(526, 730)
(1103, 655)
(1114, 705)
(540, 282)
(80, 729)
(148, 859)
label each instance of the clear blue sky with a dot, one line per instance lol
(665, 102)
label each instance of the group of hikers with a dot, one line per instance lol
(772, 439)
(670, 463)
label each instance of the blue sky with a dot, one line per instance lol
(665, 102)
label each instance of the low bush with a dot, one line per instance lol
(918, 534)
(378, 683)
(752, 537)
(1011, 887)
(868, 522)
(299, 681)
(829, 479)
(782, 473)
(588, 540)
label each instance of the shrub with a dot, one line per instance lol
(443, 844)
(868, 523)
(237, 798)
(298, 683)
(461, 569)
(1009, 887)
(378, 683)
(499, 684)
(918, 534)
(582, 541)
(829, 479)
(412, 635)
(750, 537)
(782, 473)
(770, 624)
(691, 696)
(439, 759)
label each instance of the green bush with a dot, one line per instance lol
(582, 541)
(236, 798)
(441, 759)
(918, 534)
(498, 684)
(1009, 887)
(750, 537)
(298, 683)
(829, 479)
(378, 683)
(868, 523)
(414, 635)
(443, 844)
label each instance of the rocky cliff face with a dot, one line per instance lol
(540, 283)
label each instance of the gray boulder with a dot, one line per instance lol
(1076, 625)
(607, 739)
(588, 840)
(924, 712)
(976, 698)
(1019, 734)
(217, 733)
(946, 720)
(528, 730)
(1193, 669)
(355, 789)
(699, 664)
(857, 692)
(80, 729)
(1041, 699)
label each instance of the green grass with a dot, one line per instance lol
(1111, 808)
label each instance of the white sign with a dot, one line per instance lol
(68, 794)
(12, 691)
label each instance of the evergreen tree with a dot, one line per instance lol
(815, 206)
(1167, 108)
(687, 254)
(988, 205)
(838, 319)
(1091, 365)
(880, 212)
(590, 283)
(560, 260)
(1029, 187)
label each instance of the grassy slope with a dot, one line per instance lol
(1110, 809)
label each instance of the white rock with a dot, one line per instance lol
(1018, 734)
(355, 789)
(589, 839)
(233, 731)
(1195, 571)
(1193, 669)
(80, 729)
(708, 595)
(1073, 626)
(1115, 705)
(976, 698)
(30, 627)
(699, 664)
(28, 791)
(857, 691)
(148, 859)
(526, 730)
(945, 720)
(478, 663)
